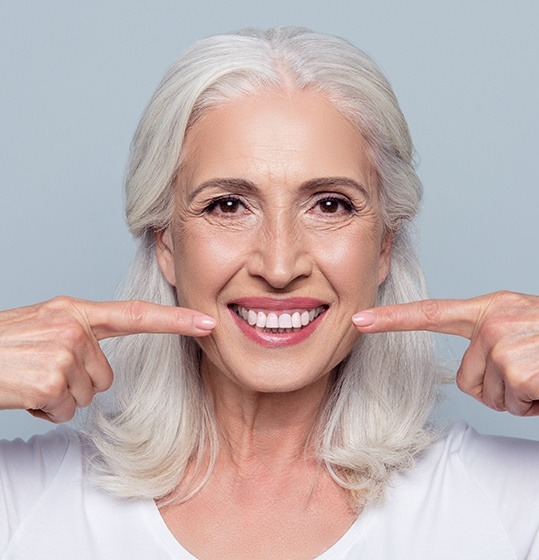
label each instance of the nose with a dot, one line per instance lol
(281, 253)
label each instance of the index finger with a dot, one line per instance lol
(448, 316)
(120, 318)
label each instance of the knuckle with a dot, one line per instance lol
(103, 384)
(62, 362)
(59, 303)
(464, 384)
(431, 310)
(522, 385)
(507, 298)
(497, 404)
(72, 333)
(461, 383)
(499, 317)
(508, 307)
(491, 329)
(65, 414)
(60, 315)
(85, 399)
(501, 355)
(69, 414)
(51, 387)
(501, 294)
(136, 313)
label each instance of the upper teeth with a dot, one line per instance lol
(278, 319)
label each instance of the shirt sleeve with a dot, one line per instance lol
(507, 472)
(26, 469)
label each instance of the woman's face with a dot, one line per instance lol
(277, 235)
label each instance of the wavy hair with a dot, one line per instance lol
(157, 420)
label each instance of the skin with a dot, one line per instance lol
(50, 359)
(278, 241)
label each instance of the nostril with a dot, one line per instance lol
(280, 266)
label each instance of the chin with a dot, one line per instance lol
(281, 382)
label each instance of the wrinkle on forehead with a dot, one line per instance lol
(276, 141)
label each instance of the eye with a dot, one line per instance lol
(334, 205)
(225, 205)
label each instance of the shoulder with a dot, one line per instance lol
(49, 445)
(51, 508)
(490, 458)
(28, 468)
(41, 456)
(500, 472)
(468, 496)
(496, 464)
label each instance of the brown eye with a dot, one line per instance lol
(226, 205)
(329, 206)
(229, 205)
(332, 205)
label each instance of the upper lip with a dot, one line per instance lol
(264, 302)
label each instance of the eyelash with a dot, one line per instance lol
(214, 204)
(345, 202)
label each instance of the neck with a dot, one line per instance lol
(267, 430)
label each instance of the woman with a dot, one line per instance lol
(271, 185)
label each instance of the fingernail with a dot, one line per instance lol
(363, 319)
(204, 322)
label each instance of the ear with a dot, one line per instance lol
(384, 263)
(165, 255)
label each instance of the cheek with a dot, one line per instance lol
(204, 262)
(351, 262)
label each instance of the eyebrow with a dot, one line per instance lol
(238, 185)
(248, 187)
(315, 184)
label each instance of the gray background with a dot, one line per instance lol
(75, 76)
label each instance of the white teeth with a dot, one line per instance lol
(251, 317)
(284, 322)
(261, 320)
(272, 322)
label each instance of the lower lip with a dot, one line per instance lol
(266, 338)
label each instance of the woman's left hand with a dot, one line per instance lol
(500, 368)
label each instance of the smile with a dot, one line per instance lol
(278, 321)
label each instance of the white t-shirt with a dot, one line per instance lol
(469, 497)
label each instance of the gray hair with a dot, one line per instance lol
(376, 417)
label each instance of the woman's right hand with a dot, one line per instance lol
(50, 358)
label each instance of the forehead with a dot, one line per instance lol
(278, 136)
